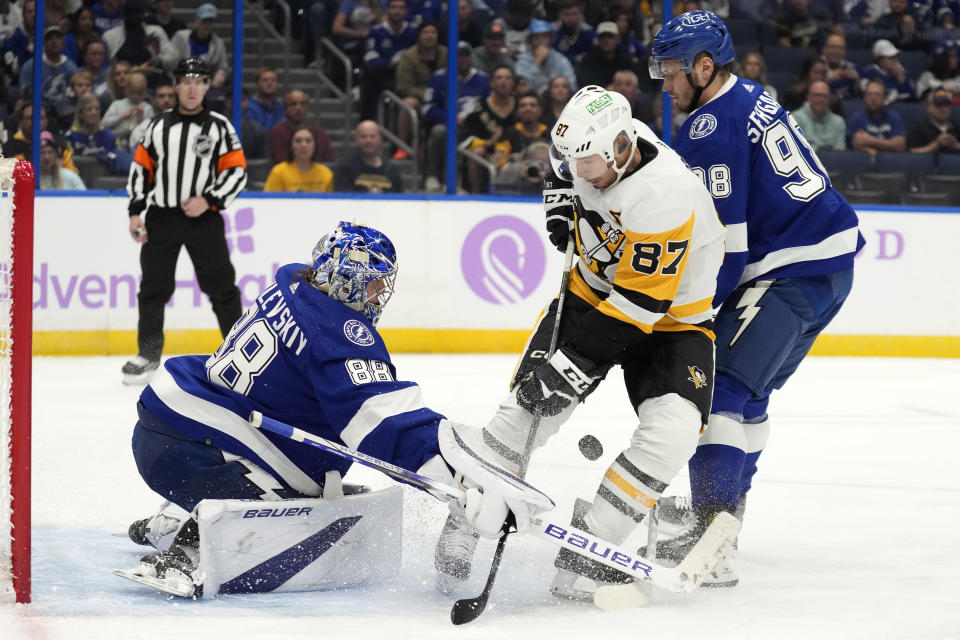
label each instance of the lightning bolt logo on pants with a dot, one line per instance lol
(749, 302)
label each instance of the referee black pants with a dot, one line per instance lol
(168, 230)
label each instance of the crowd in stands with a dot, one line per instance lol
(868, 76)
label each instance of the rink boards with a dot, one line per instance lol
(473, 274)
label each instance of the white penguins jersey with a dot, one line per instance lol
(650, 246)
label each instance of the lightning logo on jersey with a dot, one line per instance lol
(749, 302)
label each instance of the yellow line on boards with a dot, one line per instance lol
(89, 343)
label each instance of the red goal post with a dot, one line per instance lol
(16, 311)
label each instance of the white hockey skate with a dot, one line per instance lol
(453, 557)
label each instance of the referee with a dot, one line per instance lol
(187, 169)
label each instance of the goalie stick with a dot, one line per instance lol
(681, 579)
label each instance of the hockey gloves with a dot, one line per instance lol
(491, 492)
(558, 205)
(555, 385)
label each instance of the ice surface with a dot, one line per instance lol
(851, 530)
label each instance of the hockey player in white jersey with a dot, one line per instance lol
(649, 245)
(790, 248)
(306, 353)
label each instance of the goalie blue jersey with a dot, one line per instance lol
(783, 217)
(305, 359)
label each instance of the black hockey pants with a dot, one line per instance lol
(168, 230)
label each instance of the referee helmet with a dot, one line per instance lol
(192, 68)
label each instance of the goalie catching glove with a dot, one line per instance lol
(555, 385)
(558, 205)
(491, 492)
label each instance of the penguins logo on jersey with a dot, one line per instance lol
(703, 125)
(697, 377)
(358, 333)
(600, 241)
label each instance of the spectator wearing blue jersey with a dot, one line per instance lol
(351, 26)
(420, 11)
(57, 68)
(473, 86)
(571, 35)
(541, 62)
(264, 107)
(888, 69)
(842, 74)
(18, 46)
(107, 14)
(938, 132)
(876, 127)
(822, 128)
(90, 138)
(385, 45)
(788, 264)
(326, 370)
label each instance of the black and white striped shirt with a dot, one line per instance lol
(183, 156)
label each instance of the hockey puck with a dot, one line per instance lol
(590, 447)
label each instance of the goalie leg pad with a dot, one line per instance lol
(299, 545)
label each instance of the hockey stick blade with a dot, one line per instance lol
(698, 563)
(469, 609)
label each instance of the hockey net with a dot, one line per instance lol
(16, 307)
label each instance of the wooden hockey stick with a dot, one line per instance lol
(469, 609)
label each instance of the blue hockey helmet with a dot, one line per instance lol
(686, 36)
(357, 266)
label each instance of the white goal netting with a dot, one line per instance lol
(7, 503)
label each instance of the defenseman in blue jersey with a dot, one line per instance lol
(306, 353)
(788, 267)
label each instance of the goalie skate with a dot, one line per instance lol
(169, 571)
(453, 557)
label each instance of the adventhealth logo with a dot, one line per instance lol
(236, 238)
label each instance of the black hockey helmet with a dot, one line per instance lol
(192, 67)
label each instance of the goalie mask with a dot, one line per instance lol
(357, 266)
(591, 134)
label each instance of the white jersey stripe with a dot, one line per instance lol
(838, 244)
(234, 426)
(377, 409)
(737, 238)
